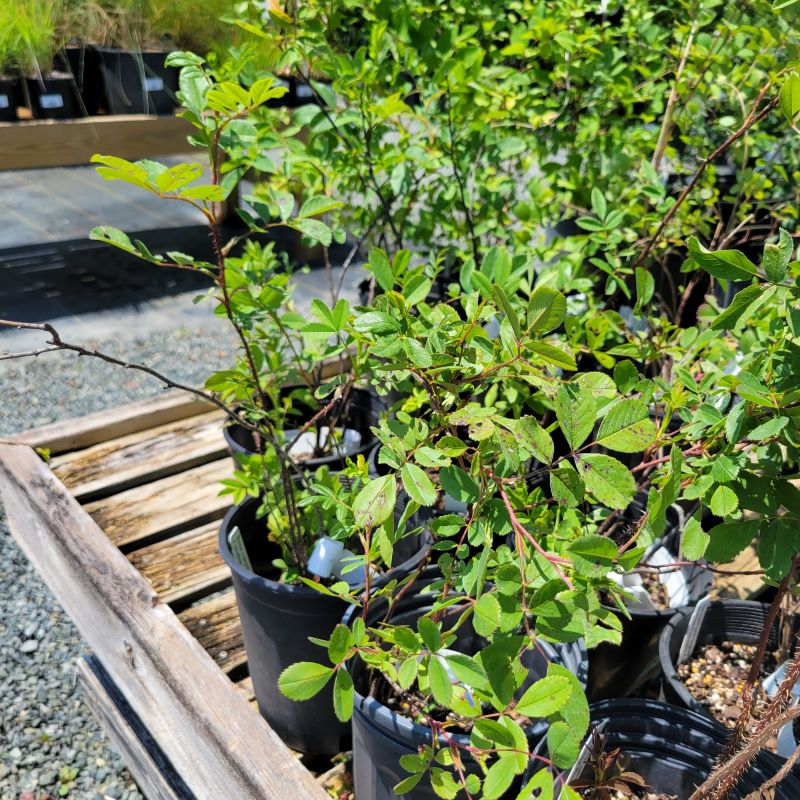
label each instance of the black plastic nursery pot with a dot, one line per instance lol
(9, 98)
(82, 62)
(674, 749)
(739, 621)
(53, 96)
(137, 82)
(618, 670)
(381, 736)
(278, 619)
(362, 410)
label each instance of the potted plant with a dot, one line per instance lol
(11, 55)
(51, 93)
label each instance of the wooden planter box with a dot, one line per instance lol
(122, 525)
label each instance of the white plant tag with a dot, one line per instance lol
(236, 543)
(4, 101)
(51, 101)
(153, 84)
(325, 557)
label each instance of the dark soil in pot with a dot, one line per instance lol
(674, 749)
(9, 98)
(278, 619)
(53, 96)
(137, 82)
(353, 419)
(381, 735)
(705, 660)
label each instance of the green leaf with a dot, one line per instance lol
(315, 230)
(439, 680)
(502, 300)
(499, 778)
(303, 680)
(728, 264)
(694, 540)
(727, 540)
(318, 205)
(625, 375)
(553, 355)
(541, 783)
(562, 744)
(430, 633)
(378, 323)
(775, 550)
(379, 266)
(724, 469)
(459, 485)
(790, 97)
(645, 287)
(598, 553)
(575, 411)
(343, 694)
(486, 615)
(535, 438)
(627, 427)
(416, 353)
(777, 257)
(418, 485)
(772, 427)
(375, 503)
(739, 305)
(547, 309)
(608, 480)
(468, 671)
(724, 501)
(545, 697)
(444, 784)
(566, 485)
(340, 643)
(407, 784)
(599, 205)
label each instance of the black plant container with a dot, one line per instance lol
(9, 98)
(381, 736)
(740, 621)
(278, 619)
(362, 410)
(53, 96)
(83, 63)
(674, 749)
(618, 670)
(137, 82)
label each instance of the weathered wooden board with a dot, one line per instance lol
(139, 457)
(183, 567)
(51, 143)
(206, 728)
(59, 437)
(215, 624)
(168, 505)
(740, 587)
(147, 768)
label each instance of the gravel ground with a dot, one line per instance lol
(50, 744)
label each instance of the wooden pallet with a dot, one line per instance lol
(122, 524)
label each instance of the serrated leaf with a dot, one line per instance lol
(545, 697)
(728, 264)
(566, 486)
(486, 615)
(316, 230)
(768, 429)
(539, 787)
(318, 205)
(627, 428)
(379, 266)
(340, 642)
(553, 355)
(694, 540)
(728, 319)
(444, 784)
(724, 501)
(439, 680)
(608, 480)
(775, 550)
(790, 97)
(430, 633)
(547, 309)
(418, 485)
(343, 694)
(468, 671)
(459, 485)
(407, 784)
(727, 540)
(407, 673)
(724, 469)
(375, 503)
(303, 680)
(575, 411)
(498, 778)
(563, 745)
(378, 323)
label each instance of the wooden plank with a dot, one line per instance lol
(50, 143)
(169, 505)
(143, 456)
(740, 587)
(245, 686)
(215, 624)
(146, 766)
(204, 725)
(59, 437)
(185, 566)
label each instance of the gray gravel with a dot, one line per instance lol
(50, 744)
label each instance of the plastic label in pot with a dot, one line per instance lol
(51, 101)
